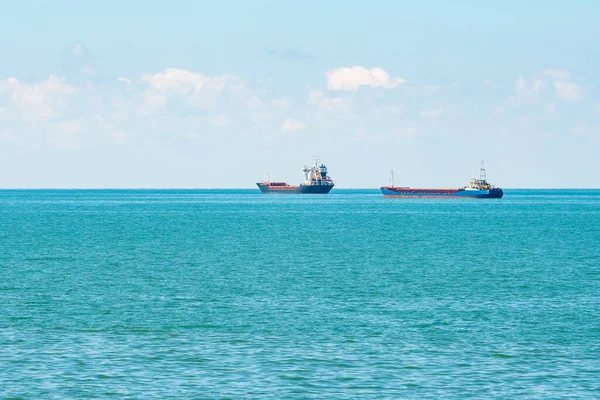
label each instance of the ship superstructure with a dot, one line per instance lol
(476, 188)
(316, 180)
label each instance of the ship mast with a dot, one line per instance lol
(482, 174)
(392, 173)
(316, 172)
(268, 177)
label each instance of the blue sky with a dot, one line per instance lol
(193, 94)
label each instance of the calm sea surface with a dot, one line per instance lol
(235, 294)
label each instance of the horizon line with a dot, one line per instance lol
(246, 188)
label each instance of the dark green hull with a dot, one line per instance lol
(302, 189)
(316, 189)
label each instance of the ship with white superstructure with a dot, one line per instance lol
(316, 181)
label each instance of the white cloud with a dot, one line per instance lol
(77, 49)
(568, 91)
(587, 131)
(7, 137)
(520, 85)
(119, 136)
(292, 125)
(487, 82)
(530, 91)
(533, 88)
(431, 88)
(40, 101)
(118, 116)
(57, 114)
(407, 132)
(184, 82)
(368, 137)
(431, 113)
(557, 74)
(351, 79)
(551, 108)
(497, 112)
(198, 90)
(69, 127)
(329, 104)
(88, 70)
(565, 90)
(153, 102)
(178, 81)
(219, 120)
(384, 111)
(281, 103)
(539, 86)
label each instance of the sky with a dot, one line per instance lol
(213, 94)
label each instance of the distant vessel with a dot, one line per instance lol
(316, 181)
(477, 188)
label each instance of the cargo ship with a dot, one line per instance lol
(316, 181)
(476, 188)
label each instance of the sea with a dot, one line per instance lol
(233, 294)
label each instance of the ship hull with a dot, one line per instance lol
(302, 189)
(265, 188)
(395, 192)
(315, 189)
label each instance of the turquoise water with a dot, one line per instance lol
(234, 294)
